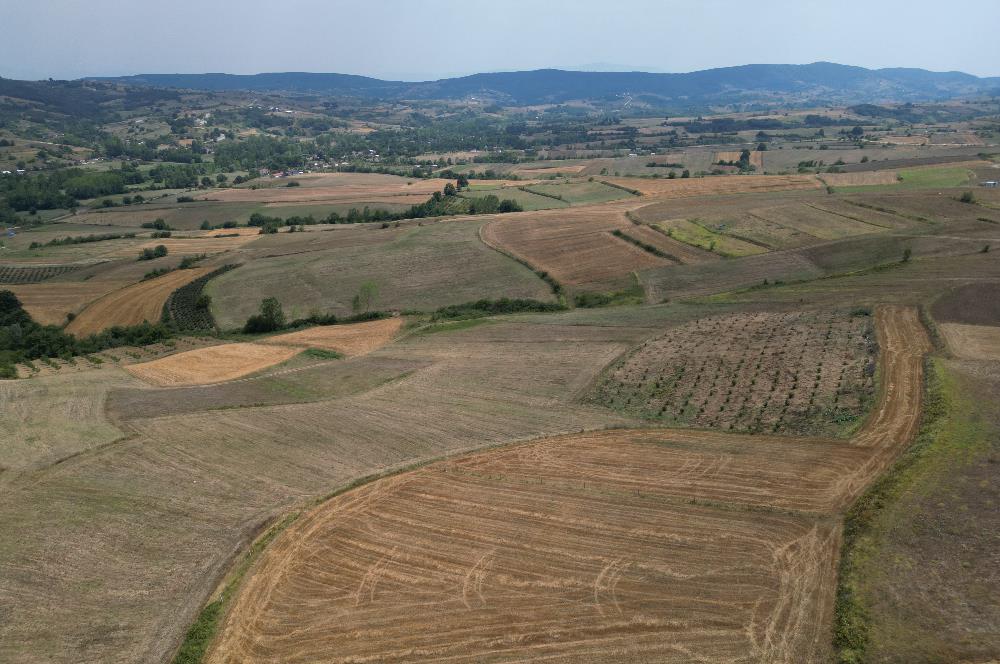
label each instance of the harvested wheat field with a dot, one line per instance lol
(707, 186)
(213, 364)
(756, 158)
(49, 302)
(861, 178)
(217, 364)
(353, 339)
(575, 246)
(494, 558)
(652, 546)
(972, 342)
(133, 304)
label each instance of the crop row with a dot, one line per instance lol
(10, 274)
(188, 308)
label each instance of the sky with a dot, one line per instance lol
(430, 39)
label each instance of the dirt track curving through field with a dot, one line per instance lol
(622, 545)
(133, 304)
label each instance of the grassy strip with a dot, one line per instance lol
(932, 329)
(557, 197)
(645, 246)
(879, 208)
(861, 532)
(484, 307)
(634, 192)
(201, 633)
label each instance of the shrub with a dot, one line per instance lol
(270, 318)
(967, 197)
(156, 252)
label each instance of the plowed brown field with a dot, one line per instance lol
(651, 546)
(133, 304)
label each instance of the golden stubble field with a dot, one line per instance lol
(625, 545)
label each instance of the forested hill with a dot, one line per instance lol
(821, 81)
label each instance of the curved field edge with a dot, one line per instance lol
(951, 434)
(201, 636)
(851, 616)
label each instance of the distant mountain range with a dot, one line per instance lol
(820, 81)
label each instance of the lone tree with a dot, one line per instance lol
(366, 297)
(270, 318)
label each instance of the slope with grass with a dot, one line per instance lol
(415, 267)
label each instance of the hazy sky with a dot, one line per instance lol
(425, 39)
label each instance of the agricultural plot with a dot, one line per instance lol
(415, 267)
(191, 490)
(49, 302)
(580, 193)
(542, 552)
(334, 187)
(606, 547)
(300, 380)
(815, 222)
(708, 186)
(801, 373)
(16, 274)
(860, 179)
(186, 309)
(698, 234)
(352, 339)
(972, 342)
(525, 199)
(49, 418)
(213, 364)
(575, 246)
(216, 364)
(133, 304)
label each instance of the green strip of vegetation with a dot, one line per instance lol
(634, 192)
(201, 633)
(323, 354)
(485, 307)
(80, 239)
(862, 530)
(645, 246)
(527, 189)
